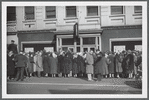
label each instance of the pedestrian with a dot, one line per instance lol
(10, 65)
(118, 62)
(130, 64)
(39, 63)
(35, 64)
(53, 63)
(111, 65)
(66, 66)
(46, 68)
(74, 65)
(81, 64)
(21, 64)
(31, 63)
(89, 65)
(13, 47)
(70, 56)
(101, 66)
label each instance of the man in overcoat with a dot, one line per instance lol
(13, 47)
(21, 61)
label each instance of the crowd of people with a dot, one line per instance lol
(92, 64)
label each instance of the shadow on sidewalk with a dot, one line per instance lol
(134, 84)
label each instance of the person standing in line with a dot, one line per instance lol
(10, 65)
(46, 68)
(80, 64)
(89, 65)
(39, 64)
(13, 47)
(35, 64)
(130, 63)
(31, 60)
(118, 63)
(111, 65)
(21, 64)
(74, 65)
(66, 66)
(53, 63)
(70, 56)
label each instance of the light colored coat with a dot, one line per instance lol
(89, 64)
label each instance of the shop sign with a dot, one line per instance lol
(49, 49)
(138, 47)
(119, 48)
(29, 50)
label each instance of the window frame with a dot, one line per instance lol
(123, 10)
(92, 15)
(33, 12)
(11, 13)
(71, 16)
(46, 12)
(138, 11)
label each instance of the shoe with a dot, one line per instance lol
(91, 80)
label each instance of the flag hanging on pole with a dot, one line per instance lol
(76, 32)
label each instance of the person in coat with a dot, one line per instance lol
(89, 65)
(46, 68)
(13, 47)
(111, 65)
(53, 63)
(35, 64)
(101, 65)
(81, 64)
(130, 63)
(39, 64)
(74, 65)
(21, 61)
(66, 66)
(118, 63)
(31, 63)
(70, 56)
(10, 65)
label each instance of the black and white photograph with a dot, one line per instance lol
(74, 49)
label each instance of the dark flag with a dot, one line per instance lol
(76, 32)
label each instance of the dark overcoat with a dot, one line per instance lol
(53, 63)
(30, 64)
(118, 63)
(21, 60)
(60, 63)
(129, 63)
(74, 66)
(66, 65)
(10, 65)
(81, 64)
(111, 65)
(101, 65)
(70, 56)
(13, 47)
(46, 68)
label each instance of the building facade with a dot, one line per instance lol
(105, 28)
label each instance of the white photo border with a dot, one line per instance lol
(82, 3)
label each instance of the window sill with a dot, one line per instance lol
(137, 14)
(26, 21)
(70, 18)
(90, 17)
(117, 15)
(50, 19)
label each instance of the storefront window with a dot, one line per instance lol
(78, 49)
(89, 40)
(70, 41)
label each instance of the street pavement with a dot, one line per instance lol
(72, 85)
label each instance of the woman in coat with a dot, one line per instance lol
(31, 59)
(118, 63)
(46, 68)
(74, 65)
(10, 65)
(111, 65)
(66, 65)
(53, 63)
(89, 66)
(101, 66)
(39, 63)
(81, 65)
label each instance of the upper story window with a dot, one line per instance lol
(92, 10)
(11, 13)
(71, 11)
(50, 12)
(137, 9)
(117, 10)
(29, 13)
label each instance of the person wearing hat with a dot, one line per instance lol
(21, 61)
(13, 47)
